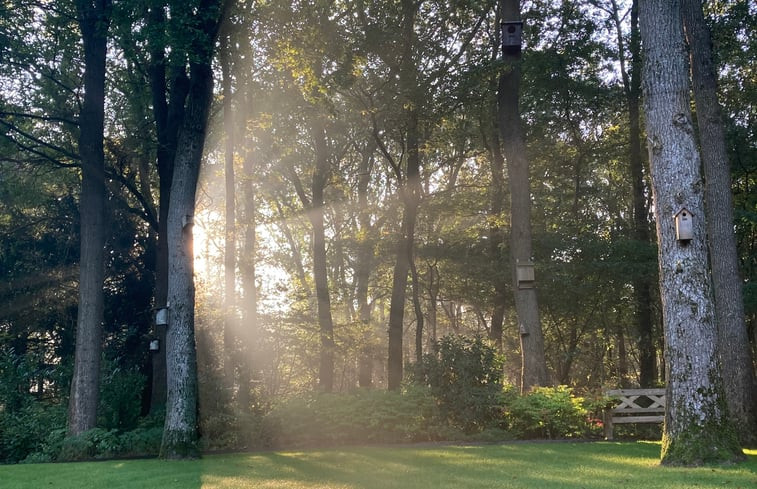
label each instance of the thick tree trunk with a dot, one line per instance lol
(697, 428)
(180, 429)
(733, 341)
(94, 18)
(168, 116)
(534, 366)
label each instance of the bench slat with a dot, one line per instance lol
(659, 409)
(638, 419)
(636, 392)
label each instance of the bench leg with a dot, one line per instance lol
(608, 425)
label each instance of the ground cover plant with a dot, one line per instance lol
(542, 465)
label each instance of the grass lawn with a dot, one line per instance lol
(509, 466)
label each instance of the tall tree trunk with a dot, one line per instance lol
(534, 366)
(168, 115)
(180, 429)
(697, 428)
(410, 193)
(733, 341)
(320, 266)
(94, 18)
(230, 354)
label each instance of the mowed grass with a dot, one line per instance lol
(507, 466)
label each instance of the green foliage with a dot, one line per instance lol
(237, 431)
(361, 417)
(25, 431)
(465, 376)
(94, 443)
(548, 412)
(120, 398)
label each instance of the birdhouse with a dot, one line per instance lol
(684, 225)
(524, 274)
(161, 317)
(512, 36)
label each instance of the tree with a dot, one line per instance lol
(733, 342)
(409, 192)
(534, 367)
(94, 18)
(697, 428)
(180, 430)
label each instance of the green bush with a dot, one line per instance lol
(360, 417)
(24, 431)
(465, 376)
(548, 412)
(120, 398)
(94, 443)
(141, 441)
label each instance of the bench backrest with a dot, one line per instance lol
(639, 400)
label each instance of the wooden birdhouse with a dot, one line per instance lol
(512, 36)
(684, 225)
(524, 274)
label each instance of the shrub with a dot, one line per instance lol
(465, 376)
(548, 412)
(360, 417)
(94, 443)
(141, 441)
(24, 431)
(120, 398)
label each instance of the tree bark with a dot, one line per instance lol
(180, 429)
(410, 196)
(168, 113)
(94, 18)
(697, 428)
(733, 340)
(534, 366)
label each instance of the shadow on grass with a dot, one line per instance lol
(534, 465)
(508, 466)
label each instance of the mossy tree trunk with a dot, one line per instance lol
(697, 428)
(733, 341)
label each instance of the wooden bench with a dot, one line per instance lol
(635, 406)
